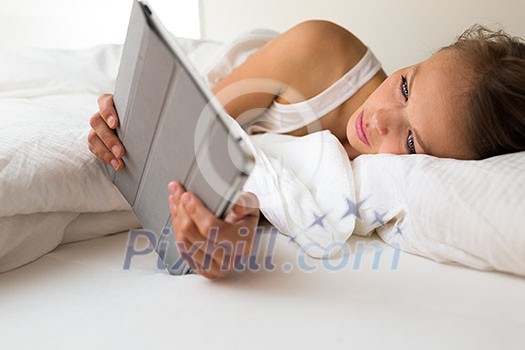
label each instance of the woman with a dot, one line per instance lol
(466, 102)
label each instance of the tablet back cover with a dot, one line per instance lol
(171, 132)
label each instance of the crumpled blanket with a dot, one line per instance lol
(52, 189)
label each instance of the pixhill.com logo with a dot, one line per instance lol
(337, 256)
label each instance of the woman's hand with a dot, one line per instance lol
(211, 245)
(102, 139)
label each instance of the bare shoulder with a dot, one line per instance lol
(298, 64)
(322, 34)
(320, 53)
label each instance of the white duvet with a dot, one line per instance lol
(48, 179)
(52, 189)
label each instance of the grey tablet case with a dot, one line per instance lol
(173, 128)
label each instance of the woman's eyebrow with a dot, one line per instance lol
(413, 74)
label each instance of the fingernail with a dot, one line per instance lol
(111, 121)
(173, 188)
(114, 164)
(116, 150)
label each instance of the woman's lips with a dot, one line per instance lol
(361, 129)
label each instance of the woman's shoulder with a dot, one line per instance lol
(320, 38)
(323, 51)
(323, 32)
(294, 66)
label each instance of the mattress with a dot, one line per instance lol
(79, 296)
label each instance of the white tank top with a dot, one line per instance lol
(282, 118)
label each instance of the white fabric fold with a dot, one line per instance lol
(304, 185)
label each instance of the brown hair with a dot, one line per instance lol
(496, 101)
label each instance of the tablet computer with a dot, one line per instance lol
(173, 128)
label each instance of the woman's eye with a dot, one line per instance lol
(410, 143)
(404, 87)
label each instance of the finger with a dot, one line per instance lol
(176, 189)
(196, 249)
(200, 215)
(107, 110)
(186, 230)
(223, 235)
(202, 264)
(107, 135)
(97, 147)
(186, 234)
(183, 225)
(247, 205)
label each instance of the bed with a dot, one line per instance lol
(79, 296)
(69, 280)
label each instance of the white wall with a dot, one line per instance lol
(84, 23)
(401, 32)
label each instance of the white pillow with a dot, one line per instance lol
(468, 212)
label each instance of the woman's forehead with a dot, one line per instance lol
(438, 102)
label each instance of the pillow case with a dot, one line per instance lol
(467, 212)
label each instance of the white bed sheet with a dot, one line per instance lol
(79, 297)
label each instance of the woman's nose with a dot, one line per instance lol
(385, 120)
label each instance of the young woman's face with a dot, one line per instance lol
(418, 109)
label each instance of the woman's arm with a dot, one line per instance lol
(293, 67)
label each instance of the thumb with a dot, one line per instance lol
(246, 205)
(201, 216)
